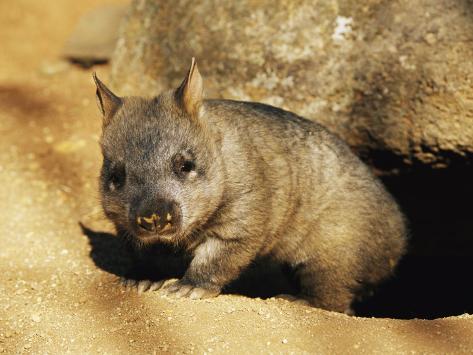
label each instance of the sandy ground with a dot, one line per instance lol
(58, 286)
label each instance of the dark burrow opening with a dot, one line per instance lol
(432, 280)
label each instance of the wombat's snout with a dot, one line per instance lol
(159, 217)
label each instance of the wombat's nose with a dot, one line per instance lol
(165, 217)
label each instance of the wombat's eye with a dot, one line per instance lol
(183, 166)
(187, 166)
(117, 178)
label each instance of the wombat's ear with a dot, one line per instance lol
(190, 93)
(107, 101)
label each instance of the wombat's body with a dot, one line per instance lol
(259, 181)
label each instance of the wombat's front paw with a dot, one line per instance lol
(182, 288)
(141, 285)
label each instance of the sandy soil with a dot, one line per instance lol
(58, 285)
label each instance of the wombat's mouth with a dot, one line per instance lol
(152, 224)
(165, 234)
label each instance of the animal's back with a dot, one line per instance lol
(320, 204)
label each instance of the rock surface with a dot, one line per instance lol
(389, 76)
(95, 35)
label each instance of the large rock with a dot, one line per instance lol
(388, 76)
(95, 36)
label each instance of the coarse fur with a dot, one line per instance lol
(262, 181)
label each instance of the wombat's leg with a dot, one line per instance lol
(326, 288)
(216, 262)
(150, 268)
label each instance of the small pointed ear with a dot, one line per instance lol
(190, 93)
(107, 101)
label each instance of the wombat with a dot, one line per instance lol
(228, 181)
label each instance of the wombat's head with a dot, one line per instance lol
(160, 178)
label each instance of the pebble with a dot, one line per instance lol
(430, 38)
(36, 318)
(284, 341)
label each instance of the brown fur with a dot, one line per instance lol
(265, 182)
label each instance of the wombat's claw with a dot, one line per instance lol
(142, 285)
(285, 296)
(147, 285)
(180, 290)
(128, 283)
(349, 312)
(156, 285)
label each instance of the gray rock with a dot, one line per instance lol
(387, 76)
(95, 35)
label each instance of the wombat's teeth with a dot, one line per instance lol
(154, 217)
(166, 227)
(148, 220)
(168, 217)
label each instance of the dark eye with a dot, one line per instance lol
(117, 178)
(187, 166)
(184, 164)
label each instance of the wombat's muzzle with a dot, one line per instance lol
(160, 217)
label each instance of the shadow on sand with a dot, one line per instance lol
(110, 253)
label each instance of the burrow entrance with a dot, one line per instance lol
(434, 279)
